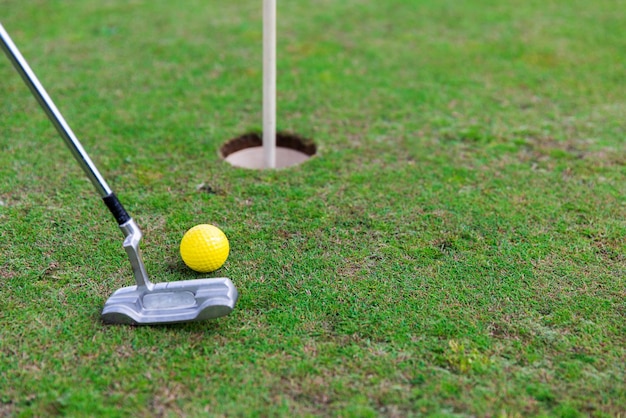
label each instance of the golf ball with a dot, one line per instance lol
(204, 248)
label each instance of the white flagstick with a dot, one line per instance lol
(269, 83)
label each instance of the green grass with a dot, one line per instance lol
(455, 249)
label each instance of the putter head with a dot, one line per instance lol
(165, 303)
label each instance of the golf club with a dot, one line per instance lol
(145, 303)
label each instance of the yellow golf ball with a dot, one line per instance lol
(204, 248)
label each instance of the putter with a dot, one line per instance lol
(145, 303)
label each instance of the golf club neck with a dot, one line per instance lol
(53, 113)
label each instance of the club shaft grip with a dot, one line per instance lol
(116, 208)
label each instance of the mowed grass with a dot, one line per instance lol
(456, 248)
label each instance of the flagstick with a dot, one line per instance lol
(269, 83)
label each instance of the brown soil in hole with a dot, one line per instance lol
(254, 139)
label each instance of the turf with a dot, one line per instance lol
(456, 248)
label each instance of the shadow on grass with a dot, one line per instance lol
(206, 326)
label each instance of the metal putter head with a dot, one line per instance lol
(165, 303)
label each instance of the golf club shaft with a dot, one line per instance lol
(62, 127)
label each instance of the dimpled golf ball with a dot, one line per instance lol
(204, 248)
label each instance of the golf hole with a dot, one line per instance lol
(246, 151)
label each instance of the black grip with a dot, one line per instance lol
(116, 209)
